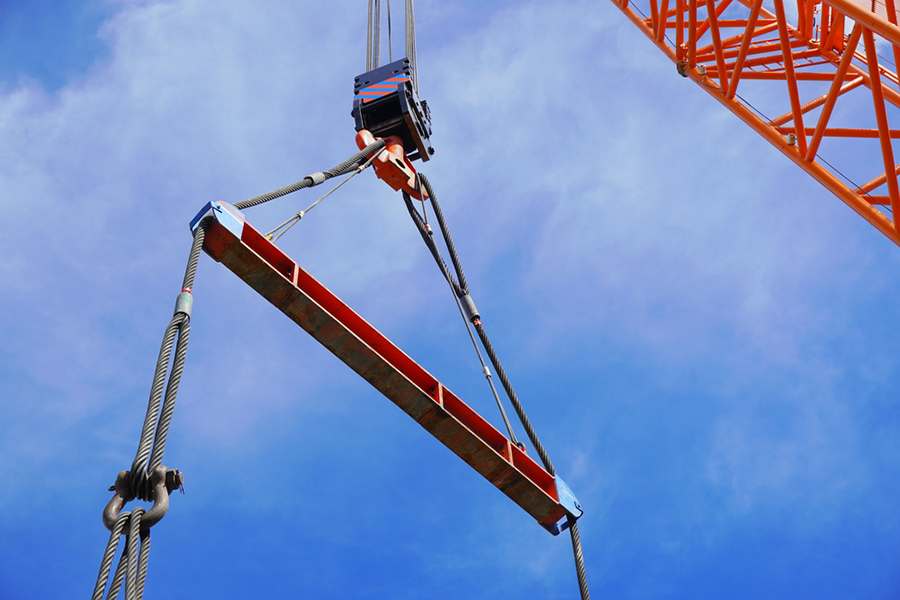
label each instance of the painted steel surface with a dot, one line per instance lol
(720, 43)
(348, 336)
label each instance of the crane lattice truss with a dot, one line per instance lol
(819, 91)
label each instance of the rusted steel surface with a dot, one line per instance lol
(360, 346)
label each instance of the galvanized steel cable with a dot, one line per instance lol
(369, 40)
(426, 233)
(286, 226)
(373, 38)
(579, 559)
(411, 44)
(462, 291)
(132, 567)
(316, 178)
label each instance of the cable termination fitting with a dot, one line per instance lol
(316, 178)
(469, 306)
(185, 302)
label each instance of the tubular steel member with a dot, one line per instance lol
(253, 258)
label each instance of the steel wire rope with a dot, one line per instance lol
(482, 334)
(314, 179)
(390, 39)
(286, 226)
(369, 57)
(132, 567)
(411, 44)
(376, 36)
(461, 289)
(426, 232)
(108, 555)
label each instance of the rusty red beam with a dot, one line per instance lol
(276, 277)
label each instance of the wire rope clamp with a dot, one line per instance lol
(391, 164)
(385, 103)
(569, 502)
(164, 481)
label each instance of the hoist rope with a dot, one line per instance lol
(376, 36)
(390, 38)
(411, 44)
(461, 290)
(369, 40)
(373, 38)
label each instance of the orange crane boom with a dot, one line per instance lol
(809, 70)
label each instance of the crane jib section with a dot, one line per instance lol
(264, 267)
(828, 74)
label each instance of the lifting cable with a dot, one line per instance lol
(286, 226)
(463, 298)
(373, 38)
(148, 480)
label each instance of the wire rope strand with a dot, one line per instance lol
(106, 561)
(139, 479)
(369, 61)
(445, 232)
(429, 242)
(460, 290)
(143, 560)
(514, 399)
(482, 334)
(286, 226)
(390, 39)
(120, 574)
(190, 270)
(131, 543)
(579, 559)
(309, 181)
(376, 37)
(411, 44)
(168, 405)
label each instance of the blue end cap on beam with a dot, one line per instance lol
(569, 502)
(227, 215)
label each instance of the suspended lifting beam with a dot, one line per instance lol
(253, 258)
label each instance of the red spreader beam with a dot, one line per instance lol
(281, 281)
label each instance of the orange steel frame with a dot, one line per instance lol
(721, 43)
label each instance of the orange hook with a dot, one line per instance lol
(391, 165)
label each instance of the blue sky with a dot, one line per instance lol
(704, 338)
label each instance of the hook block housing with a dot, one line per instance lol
(385, 103)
